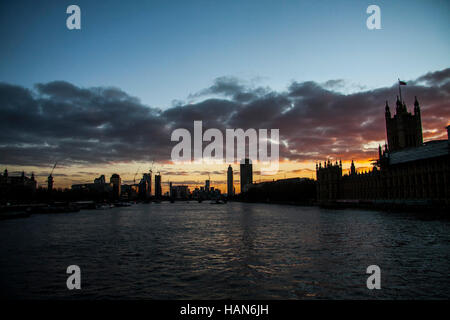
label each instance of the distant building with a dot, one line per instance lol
(329, 179)
(158, 190)
(180, 192)
(301, 190)
(148, 177)
(17, 187)
(98, 187)
(50, 183)
(145, 186)
(206, 192)
(246, 174)
(230, 187)
(407, 169)
(129, 191)
(116, 184)
(100, 180)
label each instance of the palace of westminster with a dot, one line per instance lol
(406, 170)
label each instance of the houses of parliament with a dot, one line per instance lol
(407, 169)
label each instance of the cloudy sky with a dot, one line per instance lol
(106, 98)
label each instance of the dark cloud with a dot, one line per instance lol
(334, 84)
(75, 125)
(233, 88)
(437, 78)
(61, 121)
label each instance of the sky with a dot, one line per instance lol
(104, 98)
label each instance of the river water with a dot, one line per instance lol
(232, 251)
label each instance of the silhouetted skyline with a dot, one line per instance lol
(102, 131)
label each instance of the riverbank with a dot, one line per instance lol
(425, 208)
(26, 210)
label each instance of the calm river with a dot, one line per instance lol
(232, 251)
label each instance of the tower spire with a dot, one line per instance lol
(352, 168)
(400, 83)
(398, 106)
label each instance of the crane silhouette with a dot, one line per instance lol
(53, 168)
(134, 178)
(50, 178)
(151, 167)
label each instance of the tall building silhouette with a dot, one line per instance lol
(404, 130)
(230, 189)
(145, 186)
(148, 177)
(116, 182)
(246, 173)
(50, 183)
(158, 191)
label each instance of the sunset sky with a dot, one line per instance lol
(105, 99)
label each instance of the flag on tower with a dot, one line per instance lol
(400, 83)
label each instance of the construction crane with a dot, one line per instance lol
(50, 179)
(54, 167)
(151, 167)
(134, 178)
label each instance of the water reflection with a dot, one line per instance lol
(237, 250)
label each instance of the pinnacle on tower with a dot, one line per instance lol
(416, 106)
